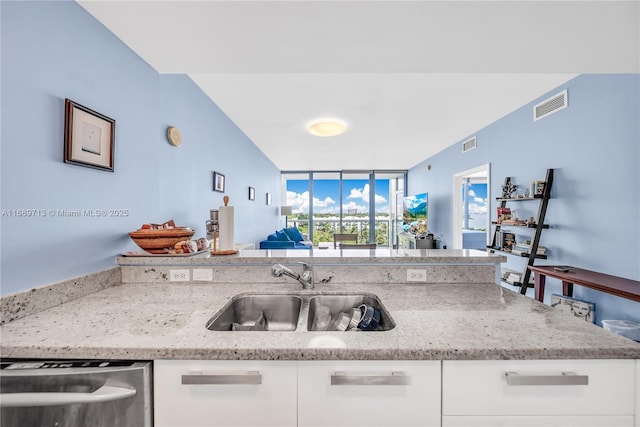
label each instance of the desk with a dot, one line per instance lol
(618, 286)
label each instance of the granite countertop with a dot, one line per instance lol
(433, 321)
(379, 256)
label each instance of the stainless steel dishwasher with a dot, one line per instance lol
(75, 393)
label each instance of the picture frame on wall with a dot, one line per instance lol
(268, 200)
(218, 182)
(252, 193)
(89, 137)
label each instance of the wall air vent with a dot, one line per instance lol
(549, 106)
(469, 144)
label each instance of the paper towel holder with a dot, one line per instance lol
(225, 199)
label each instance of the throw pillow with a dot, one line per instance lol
(294, 234)
(282, 236)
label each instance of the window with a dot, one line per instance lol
(359, 202)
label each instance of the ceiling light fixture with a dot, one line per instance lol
(326, 127)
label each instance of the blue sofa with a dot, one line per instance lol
(286, 238)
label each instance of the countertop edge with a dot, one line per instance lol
(317, 354)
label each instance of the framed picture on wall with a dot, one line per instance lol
(89, 137)
(252, 193)
(218, 182)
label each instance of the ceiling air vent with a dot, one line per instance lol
(469, 144)
(551, 105)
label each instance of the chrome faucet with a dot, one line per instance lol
(306, 278)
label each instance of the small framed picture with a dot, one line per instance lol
(89, 137)
(218, 182)
(252, 193)
(268, 199)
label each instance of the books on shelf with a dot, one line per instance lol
(525, 249)
(497, 240)
(504, 214)
(536, 188)
(508, 241)
(514, 277)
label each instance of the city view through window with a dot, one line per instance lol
(362, 203)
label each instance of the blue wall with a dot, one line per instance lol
(56, 50)
(593, 145)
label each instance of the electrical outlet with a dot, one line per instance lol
(414, 275)
(202, 274)
(181, 275)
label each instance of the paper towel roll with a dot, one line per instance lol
(227, 238)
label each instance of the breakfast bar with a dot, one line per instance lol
(456, 310)
(448, 335)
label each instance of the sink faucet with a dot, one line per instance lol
(306, 278)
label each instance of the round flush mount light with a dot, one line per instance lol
(326, 127)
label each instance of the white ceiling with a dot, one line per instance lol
(410, 78)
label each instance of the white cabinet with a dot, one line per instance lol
(369, 393)
(540, 392)
(458, 393)
(538, 421)
(224, 393)
(638, 393)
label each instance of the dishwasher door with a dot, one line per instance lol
(75, 394)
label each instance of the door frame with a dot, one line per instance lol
(457, 201)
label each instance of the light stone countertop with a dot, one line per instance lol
(379, 256)
(433, 321)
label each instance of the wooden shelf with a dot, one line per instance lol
(517, 284)
(502, 224)
(517, 199)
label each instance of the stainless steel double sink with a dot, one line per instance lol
(291, 311)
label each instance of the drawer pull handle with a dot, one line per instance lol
(394, 378)
(201, 378)
(567, 378)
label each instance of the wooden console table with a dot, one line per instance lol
(618, 286)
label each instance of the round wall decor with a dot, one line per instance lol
(174, 136)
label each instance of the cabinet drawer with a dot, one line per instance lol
(538, 387)
(637, 393)
(224, 393)
(542, 421)
(369, 393)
